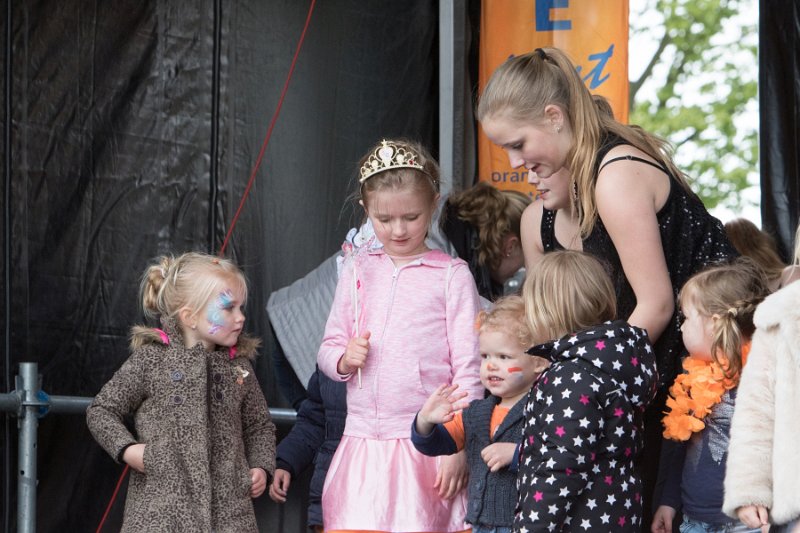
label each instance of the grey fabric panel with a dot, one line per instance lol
(298, 314)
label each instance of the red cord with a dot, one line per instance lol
(113, 497)
(241, 204)
(269, 131)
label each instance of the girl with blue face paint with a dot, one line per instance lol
(204, 444)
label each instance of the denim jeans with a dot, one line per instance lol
(485, 529)
(690, 525)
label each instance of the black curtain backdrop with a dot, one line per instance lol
(779, 100)
(130, 129)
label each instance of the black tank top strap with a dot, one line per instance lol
(547, 230)
(632, 158)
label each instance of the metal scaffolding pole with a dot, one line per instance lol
(29, 403)
(452, 91)
(28, 426)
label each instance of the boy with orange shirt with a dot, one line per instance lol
(490, 429)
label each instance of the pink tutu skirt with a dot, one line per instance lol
(387, 485)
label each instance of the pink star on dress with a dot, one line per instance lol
(584, 399)
(560, 431)
(600, 345)
(621, 521)
(607, 480)
(634, 361)
(618, 411)
(538, 496)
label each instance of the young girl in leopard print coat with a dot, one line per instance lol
(203, 443)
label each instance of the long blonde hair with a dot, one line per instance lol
(567, 291)
(731, 293)
(524, 85)
(494, 213)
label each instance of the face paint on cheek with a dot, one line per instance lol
(215, 308)
(515, 371)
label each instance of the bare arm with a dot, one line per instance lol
(531, 235)
(628, 196)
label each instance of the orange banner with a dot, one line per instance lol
(593, 33)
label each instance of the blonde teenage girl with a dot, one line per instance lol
(583, 428)
(203, 443)
(717, 308)
(402, 323)
(608, 189)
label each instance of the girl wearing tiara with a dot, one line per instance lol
(717, 308)
(204, 443)
(402, 324)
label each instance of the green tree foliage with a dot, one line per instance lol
(699, 90)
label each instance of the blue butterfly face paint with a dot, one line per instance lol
(222, 320)
(215, 311)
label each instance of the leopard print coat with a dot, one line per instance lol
(205, 423)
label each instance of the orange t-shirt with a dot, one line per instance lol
(456, 426)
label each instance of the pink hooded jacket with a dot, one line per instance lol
(421, 317)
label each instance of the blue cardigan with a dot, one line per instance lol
(315, 436)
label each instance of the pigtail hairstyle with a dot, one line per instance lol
(730, 293)
(494, 213)
(567, 291)
(521, 88)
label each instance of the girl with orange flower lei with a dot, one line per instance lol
(717, 308)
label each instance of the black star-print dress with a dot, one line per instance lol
(583, 431)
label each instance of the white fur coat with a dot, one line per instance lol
(764, 455)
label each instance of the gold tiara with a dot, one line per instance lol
(386, 157)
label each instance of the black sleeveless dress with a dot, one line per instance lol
(691, 239)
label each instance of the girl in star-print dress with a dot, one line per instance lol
(583, 426)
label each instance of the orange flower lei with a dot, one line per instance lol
(693, 395)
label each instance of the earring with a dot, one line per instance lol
(558, 129)
(194, 326)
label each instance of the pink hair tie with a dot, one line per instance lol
(232, 352)
(163, 335)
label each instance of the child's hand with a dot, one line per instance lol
(134, 456)
(452, 475)
(662, 520)
(259, 478)
(280, 485)
(498, 455)
(355, 356)
(439, 408)
(753, 516)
